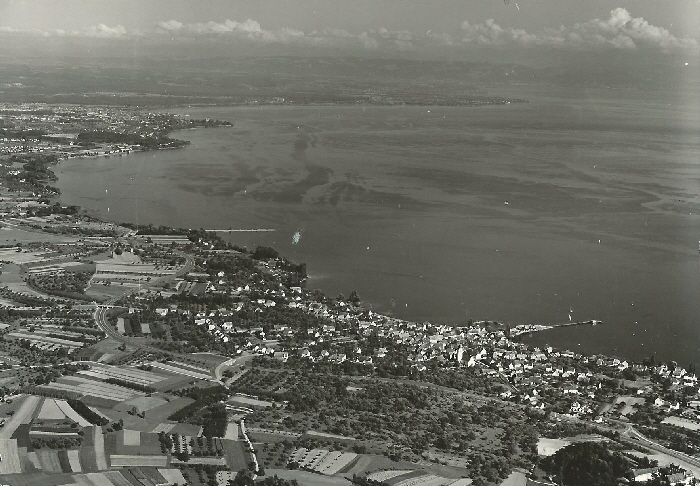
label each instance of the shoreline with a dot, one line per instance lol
(98, 215)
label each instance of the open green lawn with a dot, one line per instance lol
(237, 456)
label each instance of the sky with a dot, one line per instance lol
(426, 27)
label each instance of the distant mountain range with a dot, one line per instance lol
(69, 72)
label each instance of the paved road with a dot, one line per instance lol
(22, 415)
(230, 362)
(635, 435)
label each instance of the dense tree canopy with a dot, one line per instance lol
(587, 464)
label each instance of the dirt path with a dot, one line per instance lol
(99, 448)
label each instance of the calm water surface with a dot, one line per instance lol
(581, 203)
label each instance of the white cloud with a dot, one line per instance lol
(619, 30)
(103, 30)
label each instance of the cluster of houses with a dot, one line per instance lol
(532, 375)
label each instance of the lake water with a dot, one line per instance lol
(579, 202)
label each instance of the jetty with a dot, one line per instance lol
(530, 328)
(251, 230)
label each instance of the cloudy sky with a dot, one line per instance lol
(426, 26)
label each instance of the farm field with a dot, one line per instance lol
(102, 371)
(49, 461)
(121, 460)
(133, 442)
(142, 403)
(308, 479)
(173, 476)
(10, 463)
(681, 422)
(174, 382)
(74, 460)
(12, 279)
(154, 417)
(117, 478)
(72, 414)
(50, 410)
(99, 445)
(131, 437)
(182, 370)
(36, 479)
(231, 431)
(85, 386)
(548, 447)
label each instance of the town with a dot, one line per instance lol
(142, 354)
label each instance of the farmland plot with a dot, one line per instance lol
(94, 388)
(50, 410)
(99, 441)
(10, 463)
(173, 476)
(98, 479)
(72, 414)
(118, 479)
(181, 370)
(104, 371)
(74, 461)
(132, 437)
(49, 461)
(124, 460)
